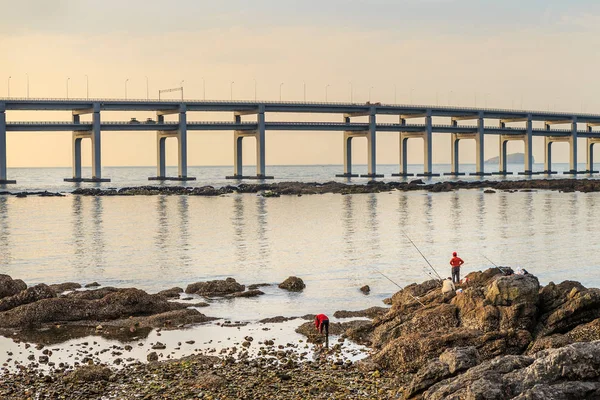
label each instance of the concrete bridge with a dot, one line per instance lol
(461, 123)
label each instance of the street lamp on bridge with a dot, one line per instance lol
(8, 86)
(87, 87)
(231, 90)
(280, 86)
(126, 80)
(68, 79)
(326, 86)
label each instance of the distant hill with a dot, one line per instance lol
(512, 158)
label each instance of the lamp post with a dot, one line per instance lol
(450, 97)
(486, 99)
(87, 87)
(126, 80)
(8, 87)
(280, 86)
(371, 88)
(203, 89)
(411, 92)
(255, 89)
(181, 86)
(231, 90)
(326, 86)
(394, 94)
(28, 85)
(147, 89)
(68, 79)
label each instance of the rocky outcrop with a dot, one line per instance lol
(369, 313)
(215, 288)
(292, 284)
(570, 372)
(171, 293)
(247, 293)
(121, 303)
(10, 286)
(29, 295)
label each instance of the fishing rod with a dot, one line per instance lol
(401, 288)
(422, 255)
(502, 269)
(493, 263)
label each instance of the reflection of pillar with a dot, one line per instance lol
(403, 155)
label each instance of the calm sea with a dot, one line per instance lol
(335, 243)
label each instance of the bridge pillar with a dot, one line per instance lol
(161, 150)
(590, 142)
(427, 146)
(480, 148)
(548, 156)
(94, 136)
(573, 149)
(528, 147)
(347, 148)
(454, 152)
(372, 147)
(182, 143)
(503, 140)
(3, 162)
(403, 153)
(260, 135)
(77, 138)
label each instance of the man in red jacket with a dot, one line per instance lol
(322, 323)
(456, 262)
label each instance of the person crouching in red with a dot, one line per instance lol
(322, 323)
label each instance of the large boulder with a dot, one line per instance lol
(64, 287)
(571, 372)
(10, 286)
(29, 295)
(513, 289)
(577, 307)
(215, 287)
(292, 284)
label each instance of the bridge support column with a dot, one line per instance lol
(573, 149)
(3, 162)
(454, 154)
(528, 139)
(590, 142)
(480, 148)
(260, 135)
(503, 140)
(548, 156)
(347, 147)
(427, 147)
(95, 136)
(403, 154)
(372, 147)
(161, 147)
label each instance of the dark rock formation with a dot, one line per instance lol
(365, 289)
(171, 293)
(64, 287)
(10, 287)
(91, 373)
(369, 313)
(292, 284)
(29, 295)
(215, 288)
(248, 293)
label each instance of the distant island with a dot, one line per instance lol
(512, 158)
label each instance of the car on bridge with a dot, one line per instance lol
(150, 121)
(134, 121)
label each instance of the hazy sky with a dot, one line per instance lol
(540, 54)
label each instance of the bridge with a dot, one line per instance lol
(461, 123)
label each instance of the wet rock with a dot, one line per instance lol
(64, 287)
(365, 289)
(91, 373)
(248, 293)
(513, 289)
(171, 293)
(159, 346)
(29, 295)
(10, 287)
(258, 285)
(215, 287)
(276, 320)
(292, 284)
(489, 191)
(210, 381)
(92, 285)
(369, 313)
(152, 357)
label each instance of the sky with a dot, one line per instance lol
(529, 53)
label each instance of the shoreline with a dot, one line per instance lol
(499, 325)
(312, 188)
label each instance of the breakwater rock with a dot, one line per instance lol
(308, 188)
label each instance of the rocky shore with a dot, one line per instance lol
(501, 337)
